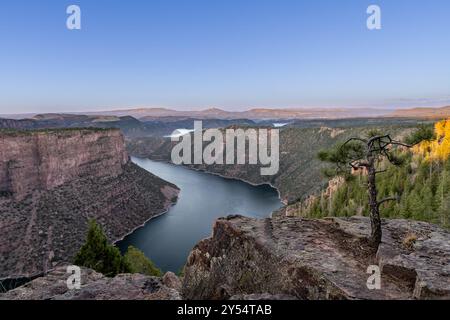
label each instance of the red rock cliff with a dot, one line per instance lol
(42, 160)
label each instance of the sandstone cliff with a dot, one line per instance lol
(318, 259)
(54, 181)
(42, 160)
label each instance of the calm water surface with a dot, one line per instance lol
(168, 239)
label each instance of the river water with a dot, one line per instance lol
(168, 239)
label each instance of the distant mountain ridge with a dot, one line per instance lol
(433, 113)
(253, 114)
(130, 126)
(216, 113)
(150, 114)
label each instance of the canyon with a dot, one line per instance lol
(300, 171)
(299, 176)
(53, 181)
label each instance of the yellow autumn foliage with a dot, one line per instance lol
(438, 149)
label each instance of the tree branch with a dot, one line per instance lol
(373, 139)
(379, 203)
(354, 139)
(358, 164)
(398, 143)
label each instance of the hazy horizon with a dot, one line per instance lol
(193, 109)
(234, 55)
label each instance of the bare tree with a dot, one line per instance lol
(367, 154)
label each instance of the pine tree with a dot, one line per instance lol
(426, 196)
(99, 255)
(367, 154)
(444, 212)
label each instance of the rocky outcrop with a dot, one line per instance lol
(94, 286)
(318, 259)
(55, 181)
(172, 281)
(416, 252)
(301, 208)
(42, 160)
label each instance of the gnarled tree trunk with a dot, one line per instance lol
(375, 220)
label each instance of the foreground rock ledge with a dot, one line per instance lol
(95, 286)
(282, 259)
(318, 259)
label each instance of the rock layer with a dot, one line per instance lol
(318, 259)
(42, 160)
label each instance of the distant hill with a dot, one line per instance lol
(253, 114)
(130, 126)
(216, 113)
(431, 113)
(256, 114)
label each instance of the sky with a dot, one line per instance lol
(230, 54)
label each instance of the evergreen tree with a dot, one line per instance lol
(99, 255)
(444, 212)
(427, 200)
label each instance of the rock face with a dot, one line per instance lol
(42, 160)
(55, 181)
(94, 286)
(318, 259)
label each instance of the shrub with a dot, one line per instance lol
(409, 240)
(139, 263)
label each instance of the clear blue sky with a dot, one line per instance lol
(230, 53)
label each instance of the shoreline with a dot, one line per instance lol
(166, 210)
(284, 202)
(29, 277)
(239, 179)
